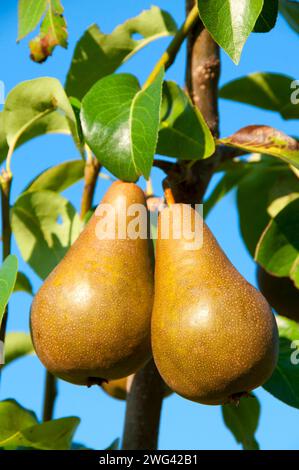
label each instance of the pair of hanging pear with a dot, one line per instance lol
(97, 318)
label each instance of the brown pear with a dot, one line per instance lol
(214, 336)
(280, 292)
(90, 321)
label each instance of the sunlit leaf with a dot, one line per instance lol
(98, 54)
(53, 32)
(8, 275)
(58, 178)
(230, 22)
(120, 122)
(278, 248)
(23, 284)
(45, 225)
(242, 420)
(266, 140)
(30, 13)
(284, 383)
(183, 133)
(17, 345)
(270, 91)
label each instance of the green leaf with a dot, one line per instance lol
(58, 178)
(266, 140)
(261, 195)
(120, 122)
(284, 383)
(19, 428)
(8, 275)
(290, 11)
(23, 284)
(268, 16)
(34, 108)
(98, 54)
(3, 141)
(114, 445)
(45, 225)
(230, 22)
(278, 248)
(229, 180)
(14, 418)
(30, 13)
(17, 344)
(53, 32)
(242, 420)
(270, 91)
(183, 133)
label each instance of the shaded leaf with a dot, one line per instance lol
(284, 382)
(3, 141)
(278, 248)
(230, 22)
(266, 140)
(183, 133)
(261, 195)
(59, 177)
(120, 122)
(17, 344)
(53, 32)
(8, 275)
(98, 54)
(268, 16)
(230, 179)
(44, 225)
(34, 108)
(270, 91)
(290, 11)
(30, 13)
(20, 429)
(23, 284)
(114, 445)
(242, 420)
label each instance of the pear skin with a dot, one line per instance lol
(214, 337)
(90, 320)
(280, 292)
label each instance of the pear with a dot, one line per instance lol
(280, 292)
(90, 321)
(214, 337)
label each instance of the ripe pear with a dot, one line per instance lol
(90, 321)
(214, 337)
(280, 292)
(120, 388)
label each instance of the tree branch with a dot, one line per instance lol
(5, 183)
(50, 396)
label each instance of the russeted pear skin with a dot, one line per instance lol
(280, 292)
(90, 320)
(214, 337)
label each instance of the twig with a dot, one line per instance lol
(167, 59)
(5, 182)
(50, 396)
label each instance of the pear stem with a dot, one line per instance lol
(168, 57)
(91, 173)
(5, 183)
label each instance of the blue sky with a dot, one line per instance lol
(184, 425)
